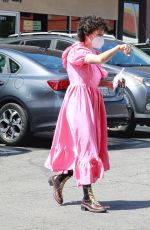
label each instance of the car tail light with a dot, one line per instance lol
(58, 84)
(106, 83)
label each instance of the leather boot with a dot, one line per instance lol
(91, 204)
(58, 187)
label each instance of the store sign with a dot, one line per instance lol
(28, 25)
(31, 25)
(37, 25)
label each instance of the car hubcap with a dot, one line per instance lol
(10, 124)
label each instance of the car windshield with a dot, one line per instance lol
(49, 62)
(137, 57)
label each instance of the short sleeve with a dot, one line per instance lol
(104, 73)
(77, 55)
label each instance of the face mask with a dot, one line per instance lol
(98, 42)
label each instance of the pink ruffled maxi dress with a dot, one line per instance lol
(80, 138)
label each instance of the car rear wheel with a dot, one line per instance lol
(13, 124)
(127, 129)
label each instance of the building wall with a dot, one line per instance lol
(106, 9)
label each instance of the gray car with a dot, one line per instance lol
(32, 87)
(145, 47)
(136, 73)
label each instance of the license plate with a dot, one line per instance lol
(104, 91)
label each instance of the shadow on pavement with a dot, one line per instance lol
(127, 143)
(127, 204)
(72, 203)
(118, 204)
(37, 142)
(135, 134)
(140, 138)
(10, 151)
(40, 142)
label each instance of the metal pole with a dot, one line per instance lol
(119, 26)
(69, 24)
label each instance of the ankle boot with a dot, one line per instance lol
(58, 181)
(89, 203)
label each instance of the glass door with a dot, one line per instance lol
(9, 23)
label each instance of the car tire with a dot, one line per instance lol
(127, 129)
(14, 126)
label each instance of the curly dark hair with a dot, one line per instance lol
(89, 24)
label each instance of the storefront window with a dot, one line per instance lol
(30, 22)
(131, 22)
(7, 25)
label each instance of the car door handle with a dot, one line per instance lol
(1, 83)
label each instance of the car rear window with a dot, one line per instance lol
(15, 43)
(49, 62)
(62, 45)
(40, 43)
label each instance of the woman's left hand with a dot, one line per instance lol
(125, 49)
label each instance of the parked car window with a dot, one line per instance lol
(147, 51)
(13, 66)
(2, 63)
(50, 62)
(62, 45)
(144, 47)
(16, 43)
(40, 43)
(136, 58)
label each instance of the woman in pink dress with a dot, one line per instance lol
(79, 147)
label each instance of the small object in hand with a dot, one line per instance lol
(127, 50)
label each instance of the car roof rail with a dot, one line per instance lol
(43, 33)
(109, 36)
(62, 33)
(29, 33)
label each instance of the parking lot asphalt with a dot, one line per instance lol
(26, 200)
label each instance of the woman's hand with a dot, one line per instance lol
(125, 49)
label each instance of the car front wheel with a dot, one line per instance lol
(13, 124)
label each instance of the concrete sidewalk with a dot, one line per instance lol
(26, 200)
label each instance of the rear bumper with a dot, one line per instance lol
(118, 113)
